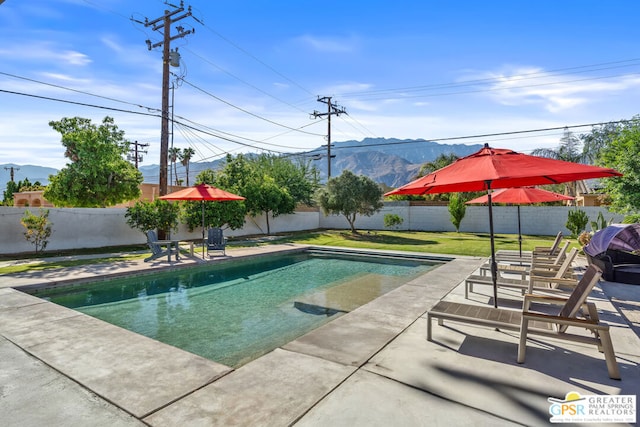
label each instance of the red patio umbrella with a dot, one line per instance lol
(520, 196)
(204, 193)
(493, 168)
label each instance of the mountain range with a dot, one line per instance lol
(388, 161)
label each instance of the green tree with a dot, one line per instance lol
(156, 215)
(38, 228)
(97, 175)
(185, 159)
(438, 163)
(457, 209)
(272, 185)
(622, 153)
(569, 150)
(297, 176)
(264, 195)
(174, 154)
(444, 159)
(12, 187)
(350, 195)
(216, 214)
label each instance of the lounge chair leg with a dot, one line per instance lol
(428, 327)
(522, 346)
(609, 355)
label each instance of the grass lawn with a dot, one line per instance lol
(450, 243)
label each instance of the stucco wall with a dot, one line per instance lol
(87, 228)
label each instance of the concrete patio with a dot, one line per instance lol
(370, 367)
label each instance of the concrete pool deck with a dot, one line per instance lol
(372, 366)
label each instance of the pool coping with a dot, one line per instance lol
(291, 384)
(46, 331)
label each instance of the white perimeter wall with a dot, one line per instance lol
(87, 228)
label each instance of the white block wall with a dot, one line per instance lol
(88, 228)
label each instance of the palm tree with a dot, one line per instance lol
(438, 163)
(185, 157)
(174, 153)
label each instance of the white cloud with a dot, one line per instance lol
(329, 44)
(44, 52)
(555, 93)
(75, 58)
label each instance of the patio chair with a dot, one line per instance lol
(551, 278)
(216, 240)
(156, 247)
(514, 255)
(535, 263)
(537, 323)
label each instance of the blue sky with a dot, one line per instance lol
(253, 71)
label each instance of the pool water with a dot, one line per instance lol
(235, 312)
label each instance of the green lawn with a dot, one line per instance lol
(474, 244)
(450, 243)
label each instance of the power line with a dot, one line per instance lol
(453, 138)
(84, 104)
(524, 76)
(246, 111)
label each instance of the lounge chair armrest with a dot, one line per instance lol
(548, 299)
(556, 280)
(568, 321)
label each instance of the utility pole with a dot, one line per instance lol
(163, 25)
(331, 110)
(137, 154)
(11, 170)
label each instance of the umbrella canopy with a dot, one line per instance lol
(621, 237)
(203, 193)
(492, 168)
(520, 196)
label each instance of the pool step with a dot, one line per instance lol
(351, 294)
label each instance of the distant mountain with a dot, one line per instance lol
(390, 161)
(20, 172)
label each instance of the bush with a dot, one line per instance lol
(577, 220)
(38, 228)
(392, 220)
(600, 223)
(631, 219)
(457, 209)
(159, 214)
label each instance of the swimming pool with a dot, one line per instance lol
(234, 312)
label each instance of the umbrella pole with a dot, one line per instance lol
(494, 264)
(519, 232)
(202, 229)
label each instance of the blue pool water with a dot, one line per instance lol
(234, 312)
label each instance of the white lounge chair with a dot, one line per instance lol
(537, 278)
(574, 311)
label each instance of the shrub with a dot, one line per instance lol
(457, 209)
(392, 220)
(577, 220)
(631, 219)
(158, 214)
(38, 228)
(600, 223)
